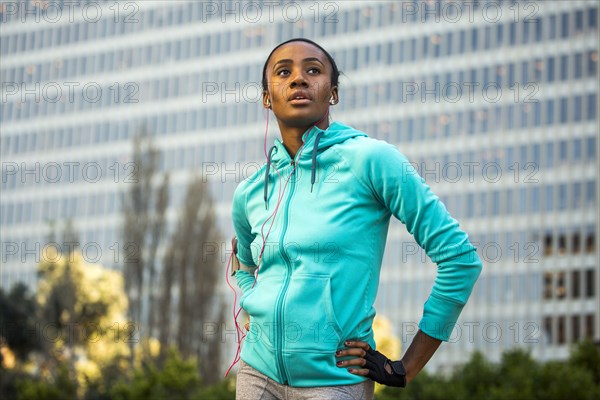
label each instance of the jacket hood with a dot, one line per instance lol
(315, 141)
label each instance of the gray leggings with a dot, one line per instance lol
(252, 385)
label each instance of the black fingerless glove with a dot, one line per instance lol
(375, 363)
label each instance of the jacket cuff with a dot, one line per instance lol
(439, 316)
(244, 280)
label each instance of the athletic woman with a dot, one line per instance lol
(311, 228)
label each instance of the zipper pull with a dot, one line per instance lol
(292, 163)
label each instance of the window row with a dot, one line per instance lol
(520, 164)
(524, 199)
(102, 245)
(487, 84)
(563, 329)
(117, 22)
(61, 208)
(573, 284)
(114, 20)
(386, 53)
(497, 118)
(499, 248)
(103, 203)
(527, 199)
(503, 288)
(565, 242)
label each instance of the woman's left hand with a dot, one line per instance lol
(375, 365)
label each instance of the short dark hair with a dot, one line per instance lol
(335, 73)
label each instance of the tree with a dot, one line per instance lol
(187, 298)
(587, 354)
(175, 378)
(517, 376)
(144, 210)
(18, 311)
(196, 274)
(82, 312)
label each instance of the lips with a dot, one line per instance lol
(299, 97)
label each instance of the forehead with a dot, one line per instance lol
(297, 51)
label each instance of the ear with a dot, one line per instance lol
(266, 100)
(334, 94)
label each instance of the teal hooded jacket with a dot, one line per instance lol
(319, 273)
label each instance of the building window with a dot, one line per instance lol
(591, 149)
(590, 283)
(561, 286)
(548, 329)
(589, 326)
(512, 33)
(562, 196)
(564, 67)
(548, 278)
(590, 195)
(562, 332)
(550, 112)
(564, 110)
(564, 25)
(575, 284)
(591, 105)
(575, 328)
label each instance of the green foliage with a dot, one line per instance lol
(62, 386)
(424, 387)
(517, 376)
(177, 379)
(224, 390)
(587, 355)
(563, 381)
(18, 321)
(474, 379)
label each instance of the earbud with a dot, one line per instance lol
(268, 102)
(331, 101)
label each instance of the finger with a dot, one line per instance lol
(355, 343)
(361, 372)
(370, 365)
(351, 352)
(354, 361)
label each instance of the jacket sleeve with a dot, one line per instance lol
(243, 232)
(398, 186)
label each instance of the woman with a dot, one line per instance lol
(314, 221)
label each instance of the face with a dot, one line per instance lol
(299, 82)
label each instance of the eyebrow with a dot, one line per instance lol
(287, 61)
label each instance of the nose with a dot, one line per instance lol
(298, 79)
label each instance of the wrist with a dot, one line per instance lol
(408, 367)
(399, 370)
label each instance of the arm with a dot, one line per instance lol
(396, 184)
(419, 352)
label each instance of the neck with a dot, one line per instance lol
(292, 136)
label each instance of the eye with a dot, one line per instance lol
(314, 70)
(283, 72)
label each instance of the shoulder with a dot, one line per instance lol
(365, 152)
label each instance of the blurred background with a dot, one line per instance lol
(126, 126)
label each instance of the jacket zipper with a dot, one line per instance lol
(280, 300)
